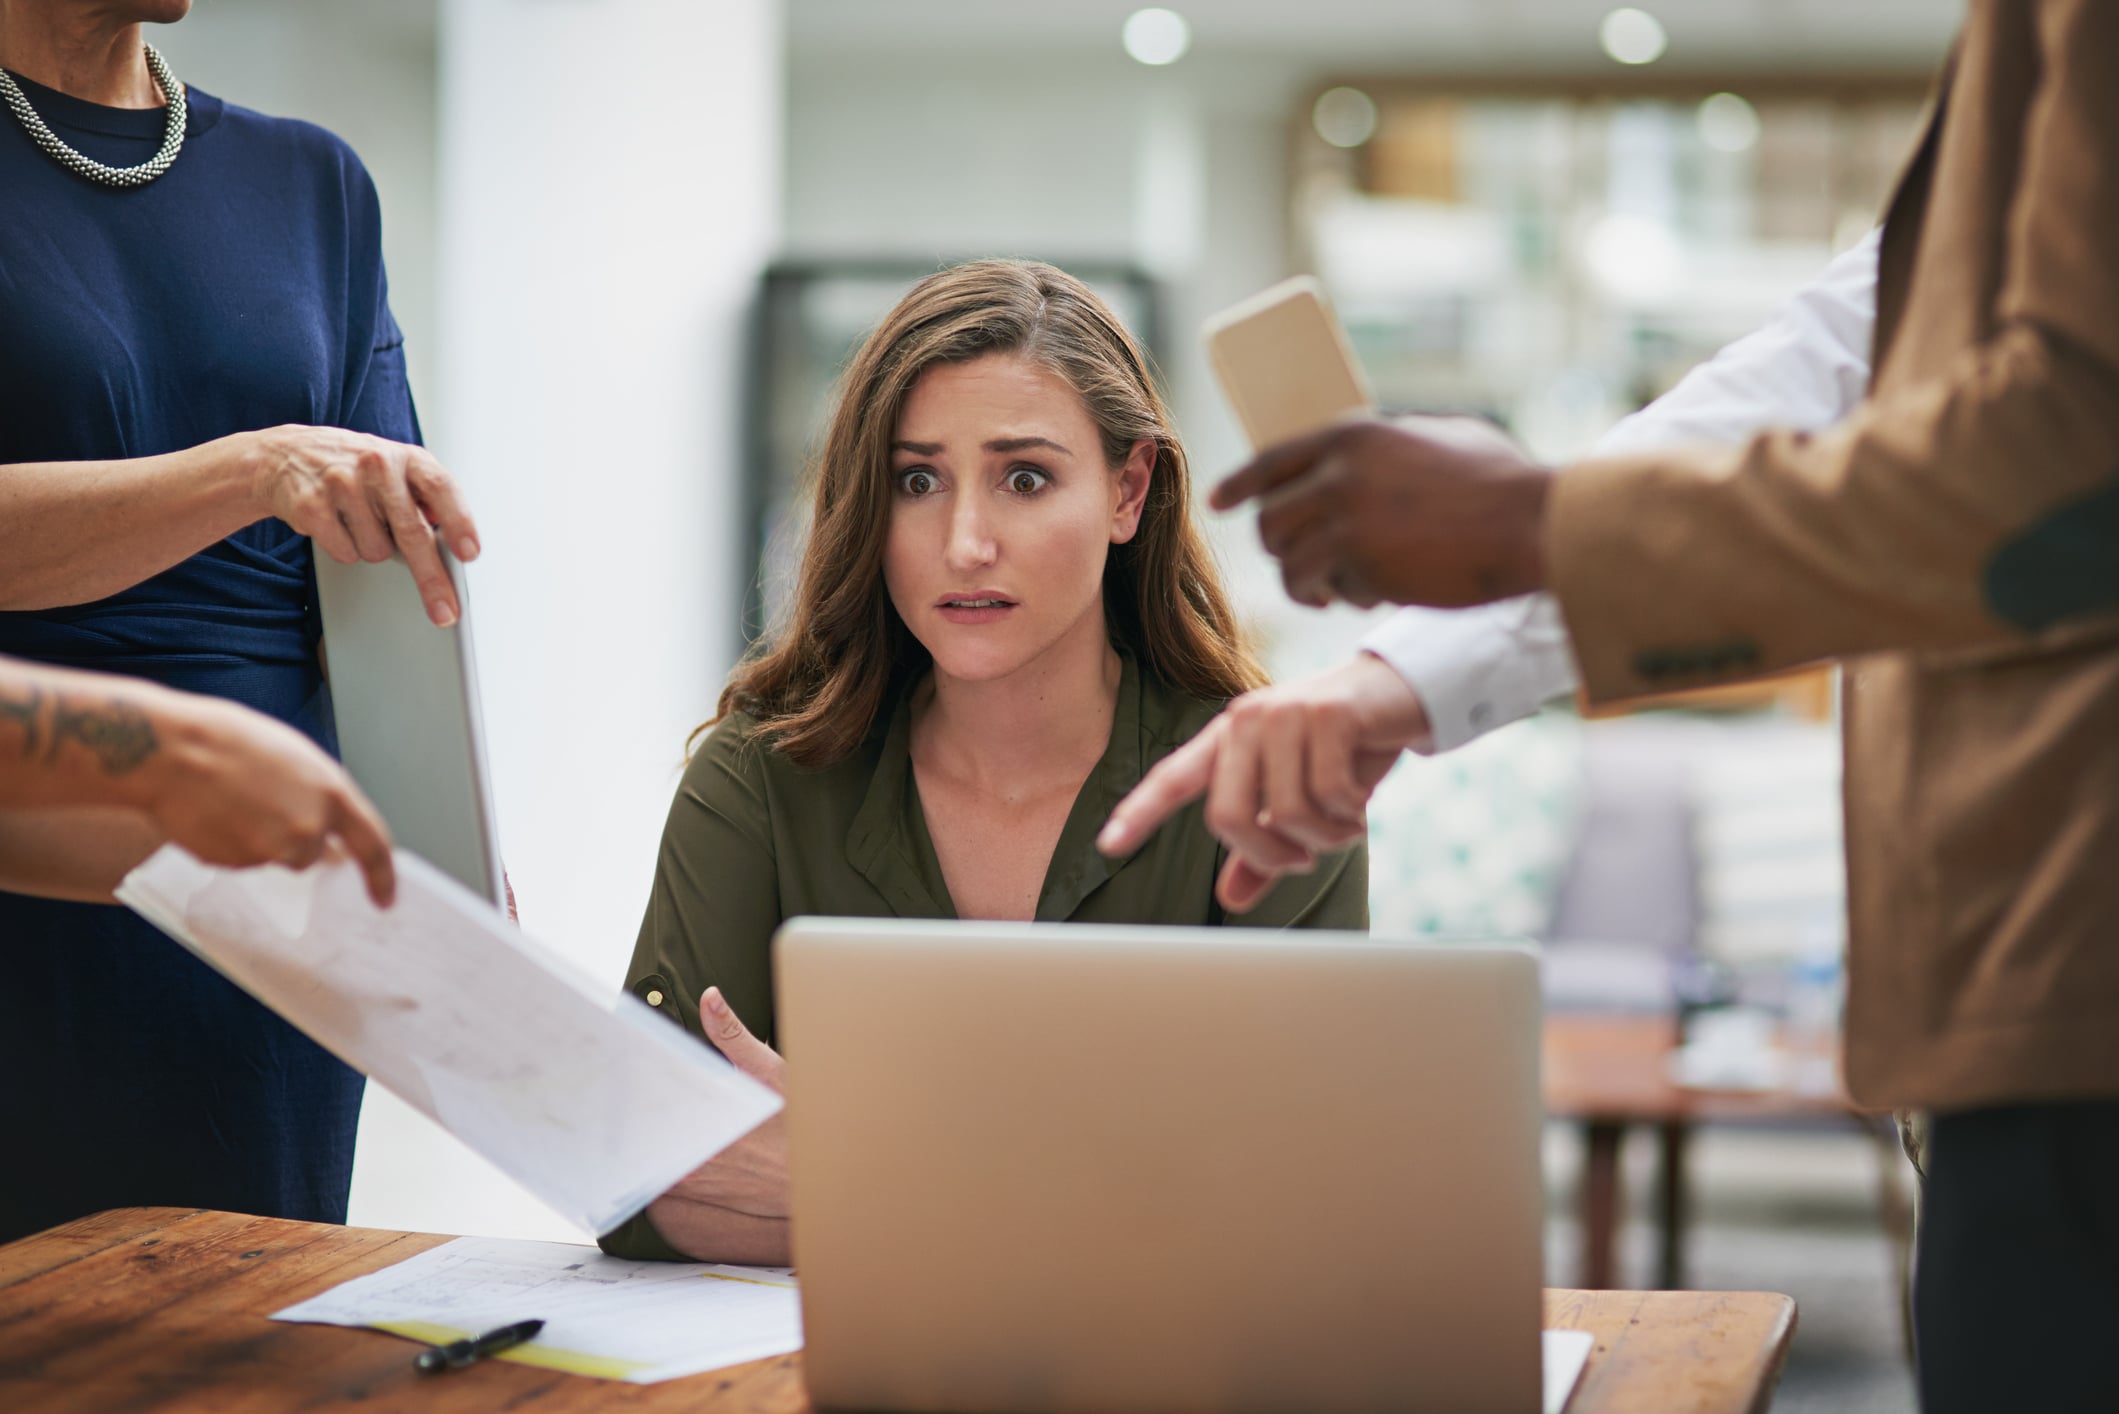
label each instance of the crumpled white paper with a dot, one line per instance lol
(575, 1090)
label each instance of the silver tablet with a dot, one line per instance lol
(406, 697)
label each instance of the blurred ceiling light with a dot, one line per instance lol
(1157, 36)
(1633, 258)
(1633, 36)
(1727, 123)
(1344, 117)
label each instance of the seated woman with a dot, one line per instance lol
(1005, 615)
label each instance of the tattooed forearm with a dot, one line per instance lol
(120, 734)
(25, 711)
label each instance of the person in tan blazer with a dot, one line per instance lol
(1955, 543)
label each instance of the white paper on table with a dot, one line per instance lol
(1566, 1352)
(638, 1321)
(576, 1090)
(634, 1321)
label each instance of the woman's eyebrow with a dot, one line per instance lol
(998, 444)
(1024, 444)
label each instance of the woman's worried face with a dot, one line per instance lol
(1003, 513)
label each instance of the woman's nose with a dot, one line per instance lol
(971, 541)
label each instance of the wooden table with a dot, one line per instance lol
(165, 1309)
(1608, 1073)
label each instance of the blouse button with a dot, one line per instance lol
(654, 999)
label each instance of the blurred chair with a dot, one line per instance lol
(1474, 843)
(1643, 851)
(1710, 847)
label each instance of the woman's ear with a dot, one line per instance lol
(1134, 479)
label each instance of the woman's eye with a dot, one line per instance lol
(916, 483)
(1026, 481)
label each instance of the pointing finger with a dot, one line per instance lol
(1175, 781)
(362, 832)
(1332, 781)
(1291, 809)
(1235, 810)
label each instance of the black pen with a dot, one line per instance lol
(438, 1359)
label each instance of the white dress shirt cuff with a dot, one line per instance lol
(1478, 669)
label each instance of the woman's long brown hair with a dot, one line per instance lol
(817, 688)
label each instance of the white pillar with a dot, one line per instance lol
(610, 192)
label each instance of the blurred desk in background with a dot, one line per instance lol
(1608, 1073)
(167, 1308)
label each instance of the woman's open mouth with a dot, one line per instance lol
(979, 608)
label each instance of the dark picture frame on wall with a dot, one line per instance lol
(810, 317)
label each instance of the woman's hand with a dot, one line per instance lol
(237, 788)
(363, 498)
(749, 1176)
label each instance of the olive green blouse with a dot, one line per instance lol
(753, 839)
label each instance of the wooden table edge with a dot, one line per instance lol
(1768, 1319)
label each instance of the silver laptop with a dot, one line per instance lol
(405, 695)
(1057, 1167)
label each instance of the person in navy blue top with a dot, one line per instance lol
(199, 376)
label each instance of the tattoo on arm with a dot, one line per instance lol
(120, 734)
(25, 712)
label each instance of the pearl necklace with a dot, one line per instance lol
(41, 134)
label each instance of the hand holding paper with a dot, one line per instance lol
(576, 1090)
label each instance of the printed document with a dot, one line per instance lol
(574, 1089)
(635, 1321)
(1566, 1352)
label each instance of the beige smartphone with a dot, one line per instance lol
(1285, 363)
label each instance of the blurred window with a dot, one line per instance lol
(1555, 260)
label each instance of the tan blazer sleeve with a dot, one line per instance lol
(1969, 506)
